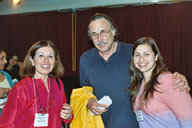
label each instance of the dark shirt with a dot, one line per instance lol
(14, 73)
(110, 78)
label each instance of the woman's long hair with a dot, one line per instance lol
(137, 76)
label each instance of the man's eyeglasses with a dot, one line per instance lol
(103, 33)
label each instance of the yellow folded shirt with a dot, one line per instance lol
(82, 116)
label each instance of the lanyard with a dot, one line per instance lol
(53, 97)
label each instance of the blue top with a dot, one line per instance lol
(8, 77)
(110, 78)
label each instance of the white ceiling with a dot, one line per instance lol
(27, 6)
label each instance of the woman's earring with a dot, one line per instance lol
(32, 63)
(156, 57)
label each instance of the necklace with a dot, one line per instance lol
(53, 97)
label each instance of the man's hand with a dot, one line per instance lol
(180, 82)
(93, 106)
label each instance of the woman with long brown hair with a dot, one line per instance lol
(155, 102)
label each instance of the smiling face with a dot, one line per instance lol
(3, 60)
(102, 43)
(144, 59)
(44, 61)
(13, 60)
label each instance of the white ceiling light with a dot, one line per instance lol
(16, 1)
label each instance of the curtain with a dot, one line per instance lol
(19, 32)
(169, 24)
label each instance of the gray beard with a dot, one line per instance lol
(100, 42)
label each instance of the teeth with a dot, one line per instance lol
(101, 43)
(142, 64)
(45, 66)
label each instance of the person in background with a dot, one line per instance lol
(12, 67)
(38, 100)
(105, 68)
(5, 80)
(155, 102)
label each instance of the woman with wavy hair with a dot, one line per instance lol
(155, 102)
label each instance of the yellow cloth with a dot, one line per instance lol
(82, 116)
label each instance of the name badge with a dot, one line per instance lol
(139, 115)
(41, 120)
